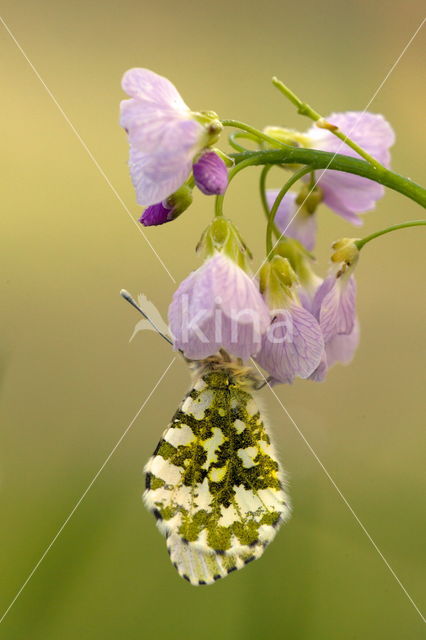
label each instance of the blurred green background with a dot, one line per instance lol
(71, 382)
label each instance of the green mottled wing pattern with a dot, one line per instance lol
(214, 482)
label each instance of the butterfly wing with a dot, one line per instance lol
(214, 482)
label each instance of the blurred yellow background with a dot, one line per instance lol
(71, 382)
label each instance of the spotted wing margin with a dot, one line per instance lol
(214, 482)
(202, 567)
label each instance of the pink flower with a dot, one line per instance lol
(292, 346)
(218, 305)
(345, 193)
(334, 307)
(163, 134)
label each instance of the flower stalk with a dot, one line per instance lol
(316, 159)
(395, 227)
(306, 110)
(269, 229)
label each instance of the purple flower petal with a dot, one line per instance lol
(211, 174)
(347, 194)
(292, 346)
(163, 135)
(334, 306)
(292, 220)
(218, 305)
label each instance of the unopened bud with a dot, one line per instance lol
(277, 279)
(345, 250)
(169, 209)
(309, 198)
(210, 174)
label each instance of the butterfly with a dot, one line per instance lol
(214, 482)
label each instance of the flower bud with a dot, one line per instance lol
(210, 174)
(169, 209)
(286, 136)
(276, 282)
(346, 251)
(299, 258)
(309, 198)
(155, 214)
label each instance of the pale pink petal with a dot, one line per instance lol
(348, 194)
(218, 305)
(320, 373)
(159, 130)
(342, 348)
(157, 176)
(370, 130)
(334, 306)
(292, 220)
(292, 346)
(148, 86)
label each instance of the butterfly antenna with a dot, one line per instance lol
(126, 295)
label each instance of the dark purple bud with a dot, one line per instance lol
(168, 209)
(155, 214)
(210, 174)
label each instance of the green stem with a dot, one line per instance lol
(262, 187)
(264, 201)
(239, 167)
(255, 132)
(232, 138)
(325, 160)
(218, 206)
(403, 225)
(236, 135)
(233, 172)
(306, 110)
(271, 219)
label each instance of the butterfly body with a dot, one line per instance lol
(214, 482)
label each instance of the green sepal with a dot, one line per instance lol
(298, 256)
(179, 201)
(277, 280)
(286, 136)
(345, 253)
(212, 125)
(222, 235)
(230, 162)
(308, 199)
